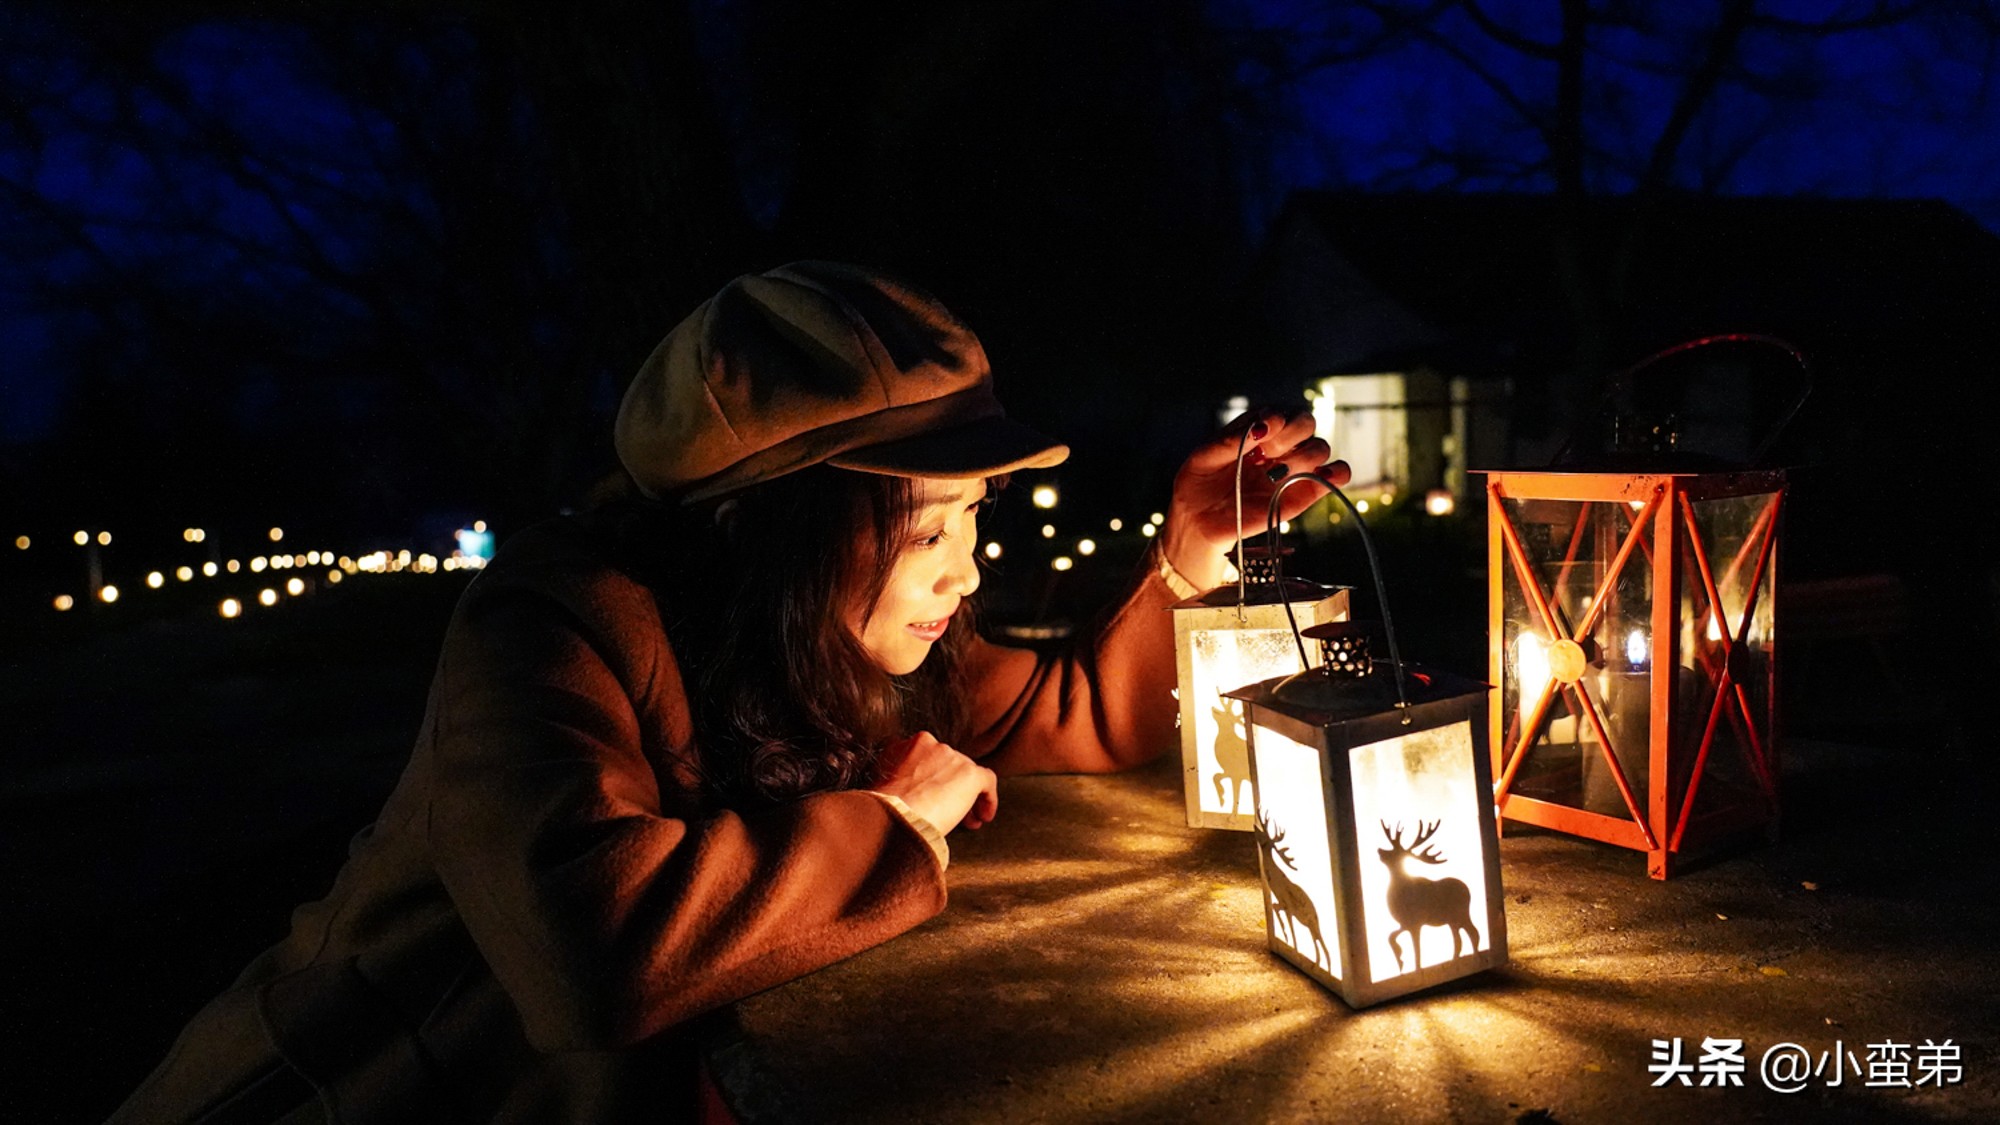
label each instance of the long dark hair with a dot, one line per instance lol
(755, 592)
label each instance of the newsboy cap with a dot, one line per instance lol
(811, 363)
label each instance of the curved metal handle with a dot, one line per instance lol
(1374, 565)
(1763, 447)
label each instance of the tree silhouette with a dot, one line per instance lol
(403, 246)
(1592, 98)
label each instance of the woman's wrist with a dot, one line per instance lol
(932, 835)
(1202, 567)
(1171, 575)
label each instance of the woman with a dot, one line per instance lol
(703, 740)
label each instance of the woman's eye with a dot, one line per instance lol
(931, 540)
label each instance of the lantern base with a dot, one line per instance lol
(1358, 994)
(1709, 837)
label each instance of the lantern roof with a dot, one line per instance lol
(1322, 701)
(1265, 593)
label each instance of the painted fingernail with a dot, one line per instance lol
(1255, 457)
(1276, 473)
(1259, 430)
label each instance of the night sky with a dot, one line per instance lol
(419, 250)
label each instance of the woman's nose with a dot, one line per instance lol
(961, 576)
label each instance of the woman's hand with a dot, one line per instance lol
(1201, 523)
(938, 783)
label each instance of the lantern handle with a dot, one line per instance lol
(1242, 578)
(1374, 565)
(1623, 378)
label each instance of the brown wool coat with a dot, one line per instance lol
(544, 900)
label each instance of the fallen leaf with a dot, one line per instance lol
(1810, 885)
(1830, 1021)
(1724, 917)
(1593, 1068)
(1772, 971)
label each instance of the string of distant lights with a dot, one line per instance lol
(339, 568)
(1438, 502)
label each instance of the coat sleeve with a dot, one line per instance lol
(605, 918)
(1104, 702)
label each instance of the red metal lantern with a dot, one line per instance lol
(1633, 637)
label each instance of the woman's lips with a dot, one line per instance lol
(930, 630)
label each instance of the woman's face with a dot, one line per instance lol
(934, 572)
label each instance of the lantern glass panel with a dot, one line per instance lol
(1224, 660)
(1572, 547)
(1297, 850)
(1425, 883)
(1220, 646)
(1725, 549)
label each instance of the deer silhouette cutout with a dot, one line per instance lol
(1288, 897)
(1232, 754)
(1416, 902)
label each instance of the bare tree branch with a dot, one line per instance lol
(1502, 35)
(1694, 95)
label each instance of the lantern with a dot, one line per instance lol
(1633, 636)
(1632, 632)
(1233, 635)
(1374, 826)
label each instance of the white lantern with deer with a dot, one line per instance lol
(1374, 822)
(1236, 634)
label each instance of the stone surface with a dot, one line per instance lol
(1100, 961)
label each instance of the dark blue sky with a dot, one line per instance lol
(104, 176)
(1904, 111)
